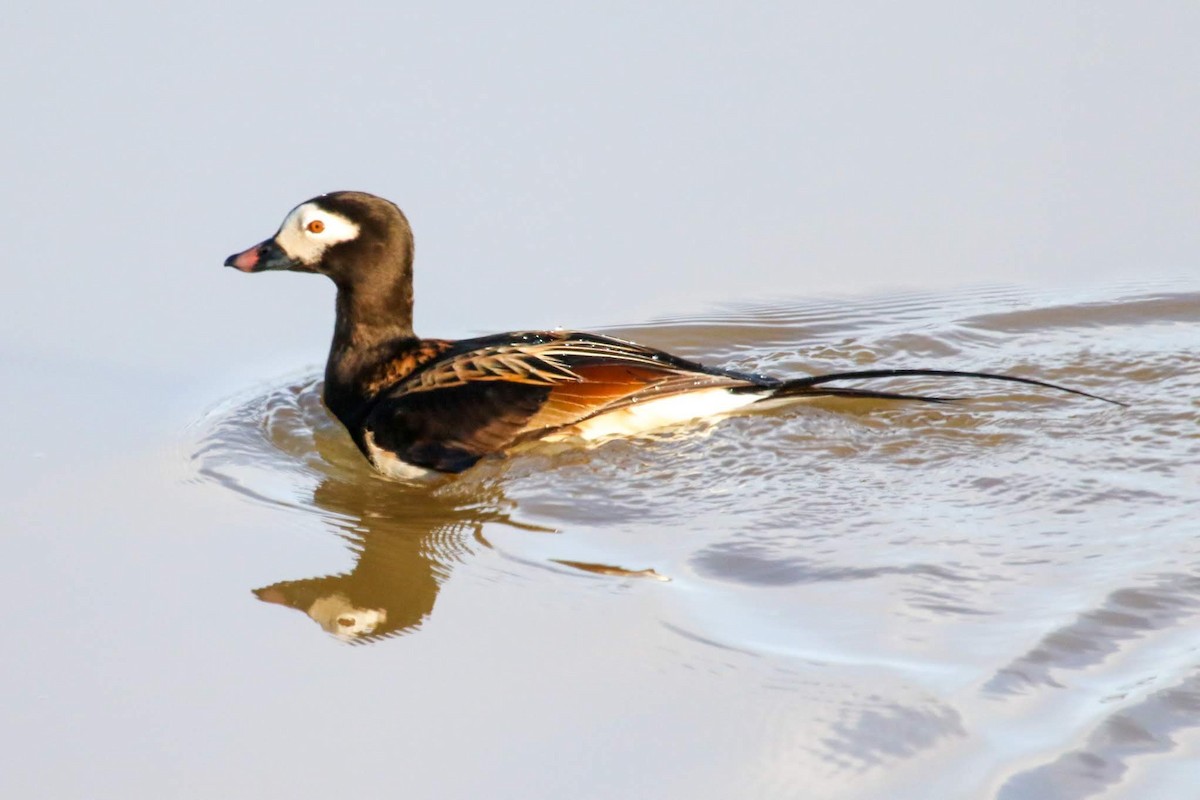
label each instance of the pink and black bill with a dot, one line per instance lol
(263, 256)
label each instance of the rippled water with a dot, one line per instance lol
(995, 598)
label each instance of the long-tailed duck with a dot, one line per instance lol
(414, 405)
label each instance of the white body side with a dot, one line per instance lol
(631, 420)
(654, 414)
(387, 463)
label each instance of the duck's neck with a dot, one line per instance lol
(372, 317)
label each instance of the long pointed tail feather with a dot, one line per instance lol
(864, 394)
(809, 385)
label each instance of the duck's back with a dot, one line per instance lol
(473, 397)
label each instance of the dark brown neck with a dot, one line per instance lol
(373, 316)
(370, 315)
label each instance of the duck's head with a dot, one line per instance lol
(345, 235)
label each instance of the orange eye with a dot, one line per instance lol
(316, 226)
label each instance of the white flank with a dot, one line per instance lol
(653, 414)
(304, 245)
(392, 465)
(632, 420)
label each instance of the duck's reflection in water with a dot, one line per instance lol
(406, 540)
(283, 445)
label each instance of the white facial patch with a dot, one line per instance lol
(309, 230)
(337, 615)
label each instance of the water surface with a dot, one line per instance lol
(997, 598)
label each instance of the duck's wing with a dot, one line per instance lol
(549, 359)
(484, 395)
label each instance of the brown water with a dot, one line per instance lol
(995, 599)
(999, 598)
